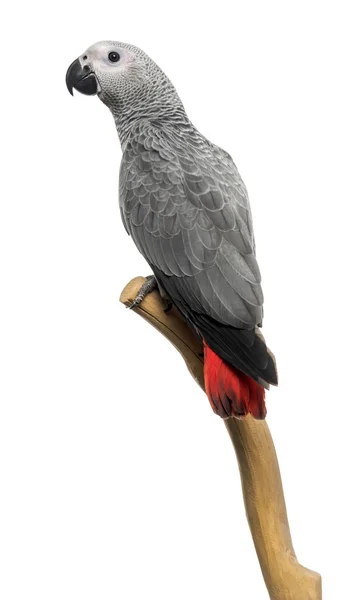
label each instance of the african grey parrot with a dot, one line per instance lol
(186, 207)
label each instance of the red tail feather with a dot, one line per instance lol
(231, 393)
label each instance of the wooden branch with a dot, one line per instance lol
(262, 488)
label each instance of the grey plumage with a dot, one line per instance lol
(184, 203)
(187, 209)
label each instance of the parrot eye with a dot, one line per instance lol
(113, 56)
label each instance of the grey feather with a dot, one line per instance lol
(187, 209)
(184, 203)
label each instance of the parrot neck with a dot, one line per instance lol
(162, 114)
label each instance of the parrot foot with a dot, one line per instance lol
(169, 306)
(146, 288)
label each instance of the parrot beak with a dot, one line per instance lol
(81, 78)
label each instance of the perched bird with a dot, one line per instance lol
(186, 207)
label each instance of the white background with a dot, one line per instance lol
(117, 481)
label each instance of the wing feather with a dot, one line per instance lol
(188, 212)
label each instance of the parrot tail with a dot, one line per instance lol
(231, 393)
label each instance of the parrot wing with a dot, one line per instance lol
(187, 209)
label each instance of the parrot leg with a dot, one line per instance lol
(149, 286)
(168, 301)
(146, 288)
(169, 305)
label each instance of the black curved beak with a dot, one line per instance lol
(81, 78)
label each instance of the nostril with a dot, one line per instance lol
(85, 57)
(85, 68)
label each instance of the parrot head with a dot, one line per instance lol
(124, 77)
